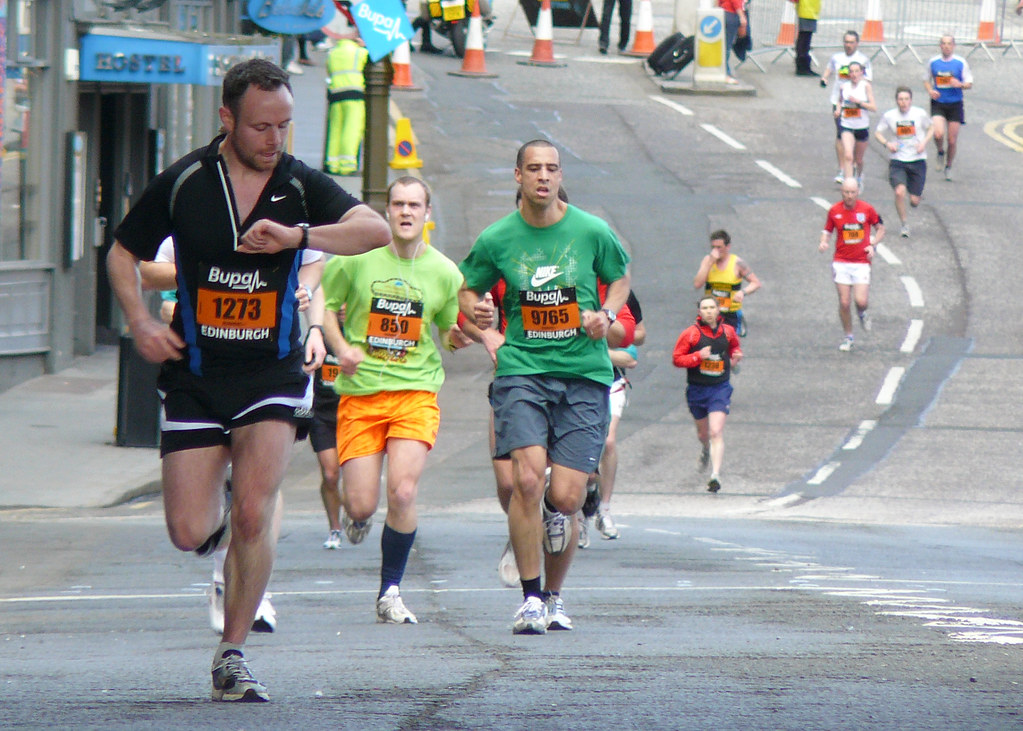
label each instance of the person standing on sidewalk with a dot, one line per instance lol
(948, 74)
(550, 393)
(391, 373)
(232, 382)
(858, 229)
(807, 13)
(346, 105)
(624, 20)
(735, 27)
(907, 170)
(708, 350)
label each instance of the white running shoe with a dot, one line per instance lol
(232, 680)
(840, 177)
(584, 532)
(865, 322)
(847, 344)
(904, 232)
(606, 526)
(216, 597)
(266, 616)
(556, 530)
(333, 541)
(948, 173)
(356, 530)
(294, 69)
(507, 569)
(531, 619)
(556, 617)
(391, 609)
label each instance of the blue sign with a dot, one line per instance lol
(291, 17)
(383, 25)
(710, 27)
(143, 60)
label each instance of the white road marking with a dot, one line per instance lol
(723, 137)
(890, 385)
(823, 473)
(916, 297)
(888, 255)
(857, 439)
(672, 105)
(791, 182)
(821, 202)
(916, 328)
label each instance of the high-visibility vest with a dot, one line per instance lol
(344, 68)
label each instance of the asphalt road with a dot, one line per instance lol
(859, 569)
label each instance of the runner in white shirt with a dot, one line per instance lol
(855, 99)
(911, 130)
(839, 66)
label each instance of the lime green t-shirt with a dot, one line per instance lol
(390, 305)
(551, 275)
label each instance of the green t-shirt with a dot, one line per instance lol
(551, 275)
(391, 303)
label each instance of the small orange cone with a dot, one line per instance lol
(474, 61)
(986, 31)
(643, 44)
(543, 46)
(873, 25)
(405, 156)
(787, 29)
(401, 60)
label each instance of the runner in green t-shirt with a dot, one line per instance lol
(390, 374)
(550, 394)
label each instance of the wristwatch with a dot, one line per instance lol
(611, 317)
(304, 243)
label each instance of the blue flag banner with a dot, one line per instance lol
(383, 26)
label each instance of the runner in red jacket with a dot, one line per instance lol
(708, 350)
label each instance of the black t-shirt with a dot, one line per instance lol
(231, 306)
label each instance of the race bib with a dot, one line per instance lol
(712, 366)
(550, 315)
(943, 80)
(849, 112)
(329, 373)
(235, 304)
(853, 233)
(394, 324)
(724, 298)
(905, 129)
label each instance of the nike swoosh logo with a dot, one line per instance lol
(275, 198)
(540, 281)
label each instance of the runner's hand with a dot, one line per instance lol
(483, 312)
(156, 342)
(315, 351)
(349, 359)
(268, 237)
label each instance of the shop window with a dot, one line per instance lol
(15, 78)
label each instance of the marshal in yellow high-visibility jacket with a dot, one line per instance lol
(346, 106)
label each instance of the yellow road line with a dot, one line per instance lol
(1005, 131)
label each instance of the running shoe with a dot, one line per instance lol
(216, 596)
(333, 541)
(531, 619)
(556, 530)
(704, 457)
(865, 322)
(232, 680)
(294, 69)
(220, 537)
(840, 177)
(266, 616)
(556, 617)
(904, 232)
(941, 158)
(606, 526)
(391, 609)
(847, 344)
(507, 569)
(356, 530)
(948, 173)
(592, 502)
(714, 485)
(584, 532)
(859, 182)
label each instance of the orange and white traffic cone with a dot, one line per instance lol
(643, 44)
(543, 45)
(474, 62)
(873, 25)
(401, 60)
(787, 29)
(986, 30)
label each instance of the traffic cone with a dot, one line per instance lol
(643, 44)
(986, 31)
(543, 46)
(405, 156)
(474, 61)
(873, 26)
(787, 29)
(401, 60)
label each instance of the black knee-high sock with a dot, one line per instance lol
(394, 550)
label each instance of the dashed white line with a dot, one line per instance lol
(857, 439)
(723, 137)
(791, 182)
(888, 255)
(916, 328)
(672, 105)
(821, 202)
(823, 473)
(890, 385)
(916, 297)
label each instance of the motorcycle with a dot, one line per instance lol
(450, 18)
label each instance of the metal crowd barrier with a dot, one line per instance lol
(906, 27)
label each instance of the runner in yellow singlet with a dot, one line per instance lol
(721, 275)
